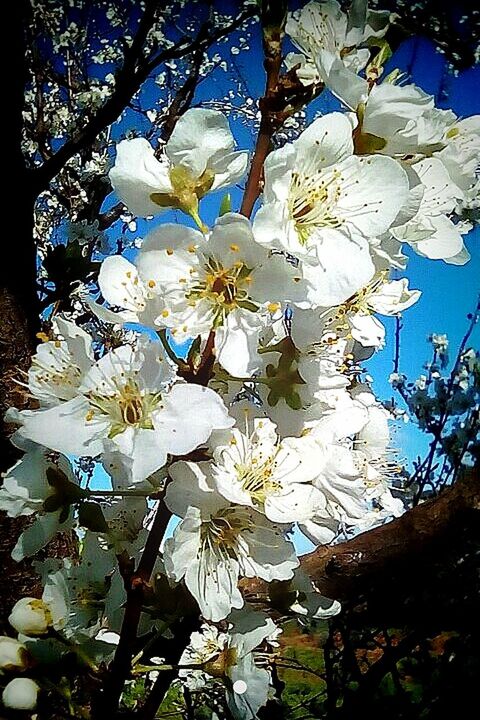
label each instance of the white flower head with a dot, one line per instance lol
(258, 470)
(75, 594)
(461, 152)
(227, 283)
(230, 657)
(430, 231)
(405, 118)
(198, 157)
(59, 366)
(324, 33)
(323, 204)
(379, 296)
(129, 402)
(30, 616)
(216, 543)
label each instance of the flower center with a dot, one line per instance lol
(127, 406)
(221, 532)
(256, 478)
(224, 288)
(187, 190)
(313, 201)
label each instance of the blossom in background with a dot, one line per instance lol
(326, 36)
(231, 657)
(198, 157)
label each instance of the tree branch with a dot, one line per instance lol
(128, 80)
(121, 665)
(340, 571)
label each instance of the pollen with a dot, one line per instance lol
(234, 247)
(169, 251)
(273, 307)
(165, 313)
(151, 283)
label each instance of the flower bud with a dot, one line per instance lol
(20, 694)
(30, 616)
(13, 655)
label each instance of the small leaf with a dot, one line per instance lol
(90, 516)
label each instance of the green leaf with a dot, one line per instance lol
(225, 205)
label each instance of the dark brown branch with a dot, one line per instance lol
(272, 47)
(119, 671)
(133, 73)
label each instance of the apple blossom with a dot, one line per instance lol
(198, 157)
(13, 654)
(230, 657)
(217, 542)
(129, 401)
(431, 232)
(323, 204)
(30, 616)
(227, 283)
(324, 33)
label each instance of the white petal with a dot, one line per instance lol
(64, 428)
(137, 174)
(345, 266)
(326, 141)
(236, 343)
(367, 330)
(188, 416)
(200, 137)
(120, 285)
(374, 189)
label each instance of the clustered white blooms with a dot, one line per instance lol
(283, 436)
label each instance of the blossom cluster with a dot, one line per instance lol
(269, 428)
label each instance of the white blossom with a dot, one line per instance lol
(322, 204)
(198, 157)
(217, 542)
(129, 401)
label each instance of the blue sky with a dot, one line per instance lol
(449, 292)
